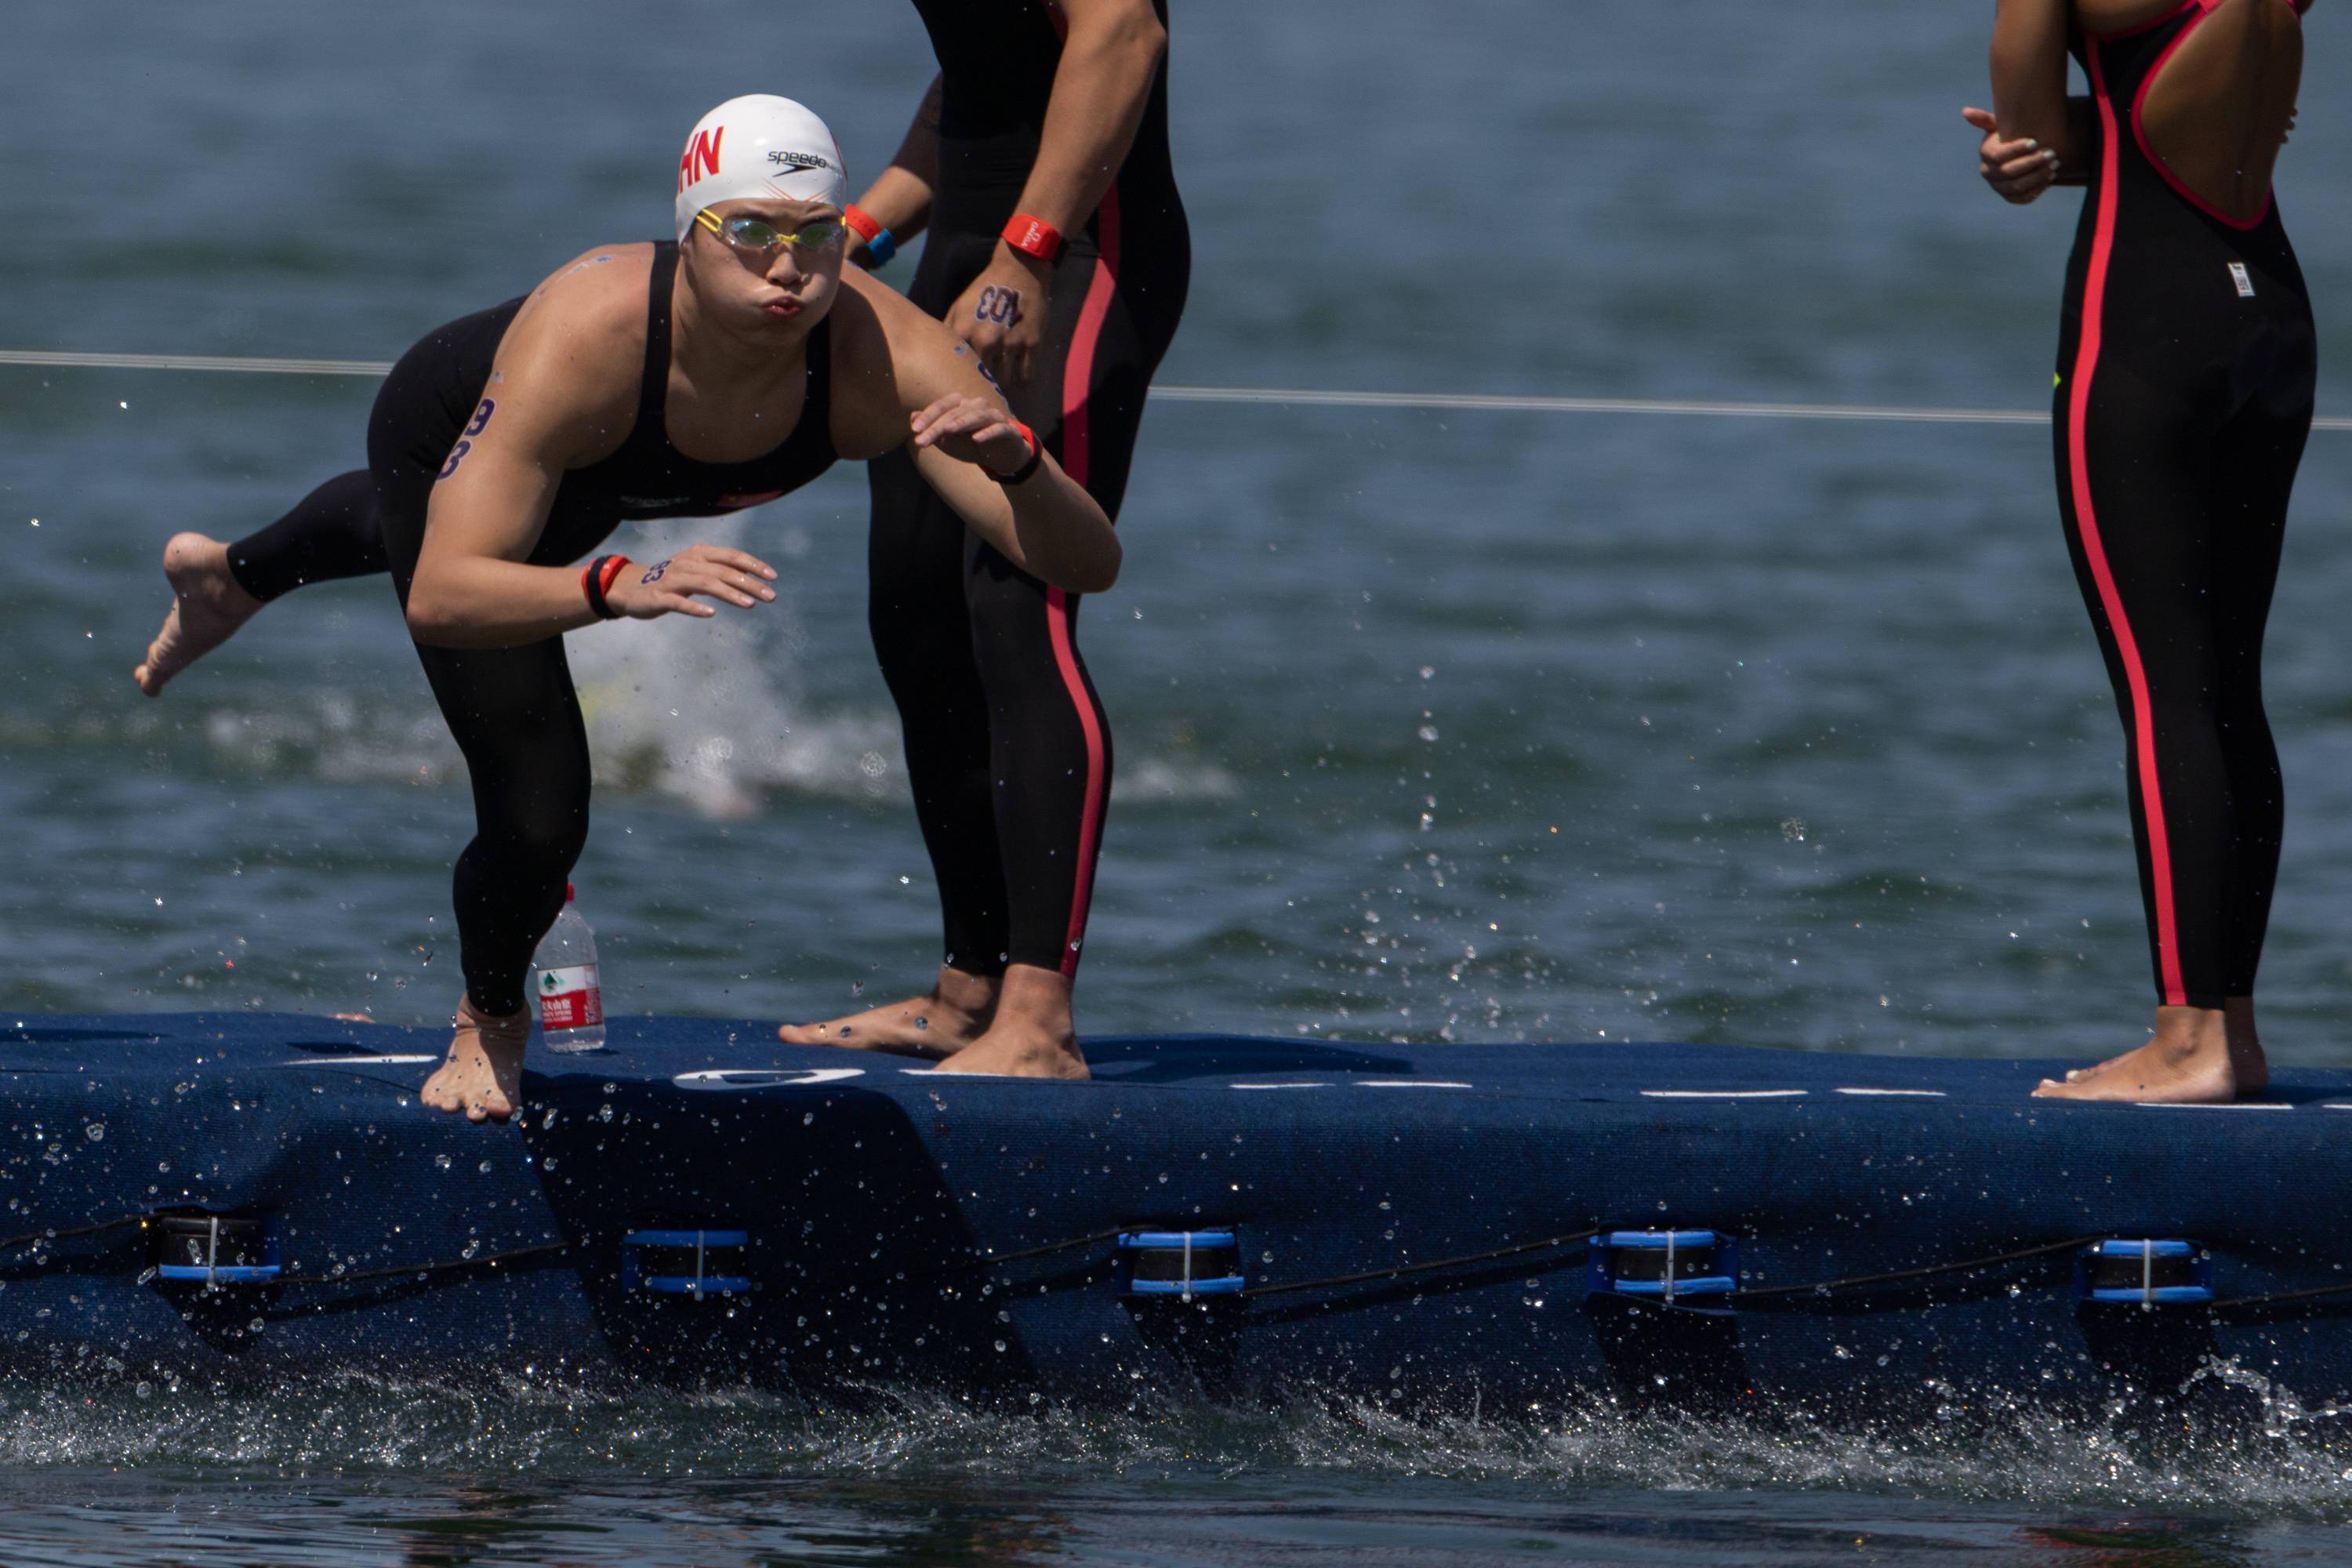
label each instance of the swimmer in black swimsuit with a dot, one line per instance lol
(1058, 252)
(2186, 367)
(642, 380)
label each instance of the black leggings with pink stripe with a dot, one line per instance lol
(2185, 376)
(1008, 748)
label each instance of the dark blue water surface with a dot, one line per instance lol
(1465, 725)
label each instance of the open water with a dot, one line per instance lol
(1458, 725)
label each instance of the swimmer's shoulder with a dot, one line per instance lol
(871, 323)
(576, 349)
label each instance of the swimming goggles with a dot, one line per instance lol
(761, 237)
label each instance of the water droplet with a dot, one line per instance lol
(486, 1167)
(442, 1161)
(999, 1344)
(145, 1391)
(94, 1131)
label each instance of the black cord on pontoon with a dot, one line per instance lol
(413, 1271)
(1404, 1270)
(1898, 1275)
(2274, 1297)
(34, 1238)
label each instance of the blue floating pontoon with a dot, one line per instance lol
(248, 1198)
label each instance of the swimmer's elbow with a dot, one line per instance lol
(431, 622)
(1101, 572)
(1150, 38)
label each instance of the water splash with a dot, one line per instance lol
(2290, 1466)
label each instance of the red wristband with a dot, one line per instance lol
(596, 580)
(1036, 455)
(861, 222)
(1034, 236)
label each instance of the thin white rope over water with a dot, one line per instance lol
(197, 362)
(1291, 397)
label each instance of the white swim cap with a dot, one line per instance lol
(758, 145)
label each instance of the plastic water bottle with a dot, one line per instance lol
(570, 1001)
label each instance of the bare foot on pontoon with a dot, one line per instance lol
(483, 1077)
(951, 1018)
(2248, 1064)
(2191, 1059)
(1031, 1036)
(207, 607)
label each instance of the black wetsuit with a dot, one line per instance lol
(1007, 745)
(513, 710)
(2185, 375)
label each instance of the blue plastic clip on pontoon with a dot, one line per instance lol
(214, 1250)
(2146, 1273)
(1184, 1263)
(680, 1262)
(1665, 1265)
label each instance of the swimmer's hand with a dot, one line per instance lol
(1002, 314)
(972, 430)
(2019, 170)
(644, 591)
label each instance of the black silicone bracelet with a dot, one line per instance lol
(1036, 456)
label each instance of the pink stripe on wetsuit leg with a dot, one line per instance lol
(1078, 373)
(2086, 361)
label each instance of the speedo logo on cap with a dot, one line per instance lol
(799, 160)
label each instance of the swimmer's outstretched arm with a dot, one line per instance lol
(904, 380)
(899, 199)
(563, 384)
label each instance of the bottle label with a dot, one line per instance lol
(569, 999)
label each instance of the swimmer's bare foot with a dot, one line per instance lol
(2187, 1062)
(483, 1077)
(1032, 1036)
(2076, 1075)
(2247, 1063)
(935, 1026)
(208, 604)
